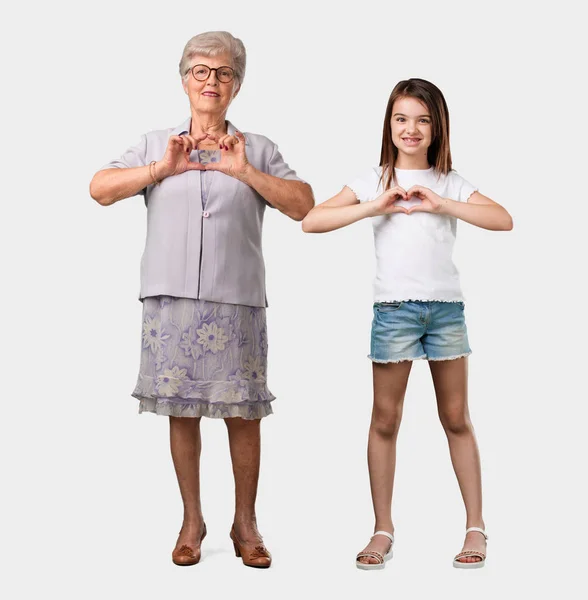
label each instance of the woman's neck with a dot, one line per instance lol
(208, 123)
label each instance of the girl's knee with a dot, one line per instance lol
(386, 423)
(455, 422)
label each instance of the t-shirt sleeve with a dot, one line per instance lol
(135, 156)
(459, 188)
(365, 187)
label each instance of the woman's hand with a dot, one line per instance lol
(384, 204)
(430, 201)
(233, 161)
(176, 159)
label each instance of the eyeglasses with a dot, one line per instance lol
(202, 73)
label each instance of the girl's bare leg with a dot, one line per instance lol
(450, 378)
(390, 380)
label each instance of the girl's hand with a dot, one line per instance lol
(430, 201)
(384, 204)
(176, 159)
(233, 161)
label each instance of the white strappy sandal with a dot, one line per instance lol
(375, 555)
(458, 564)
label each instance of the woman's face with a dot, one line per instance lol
(211, 95)
(411, 126)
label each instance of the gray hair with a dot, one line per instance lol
(213, 43)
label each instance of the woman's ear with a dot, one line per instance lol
(184, 85)
(236, 91)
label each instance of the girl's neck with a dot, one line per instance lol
(411, 163)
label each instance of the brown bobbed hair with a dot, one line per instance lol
(438, 153)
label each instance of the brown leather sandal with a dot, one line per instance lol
(253, 554)
(185, 555)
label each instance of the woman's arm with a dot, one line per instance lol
(293, 198)
(344, 209)
(479, 210)
(111, 185)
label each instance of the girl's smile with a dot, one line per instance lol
(411, 126)
(411, 141)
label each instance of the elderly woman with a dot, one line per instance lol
(206, 186)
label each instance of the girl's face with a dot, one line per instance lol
(411, 127)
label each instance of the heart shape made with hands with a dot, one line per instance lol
(209, 141)
(417, 192)
(418, 199)
(412, 199)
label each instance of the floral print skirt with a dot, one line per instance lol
(203, 359)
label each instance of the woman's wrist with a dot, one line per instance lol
(159, 171)
(245, 175)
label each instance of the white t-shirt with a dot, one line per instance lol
(414, 252)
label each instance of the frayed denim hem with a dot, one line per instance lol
(377, 360)
(423, 357)
(452, 357)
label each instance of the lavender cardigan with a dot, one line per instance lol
(213, 253)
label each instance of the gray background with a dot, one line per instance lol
(90, 505)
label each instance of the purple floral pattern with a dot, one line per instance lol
(202, 358)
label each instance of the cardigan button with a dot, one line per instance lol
(206, 214)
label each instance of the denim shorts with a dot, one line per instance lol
(415, 330)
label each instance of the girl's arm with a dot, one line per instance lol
(344, 209)
(479, 210)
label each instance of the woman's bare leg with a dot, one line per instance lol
(390, 381)
(245, 445)
(185, 445)
(450, 378)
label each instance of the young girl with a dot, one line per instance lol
(414, 199)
